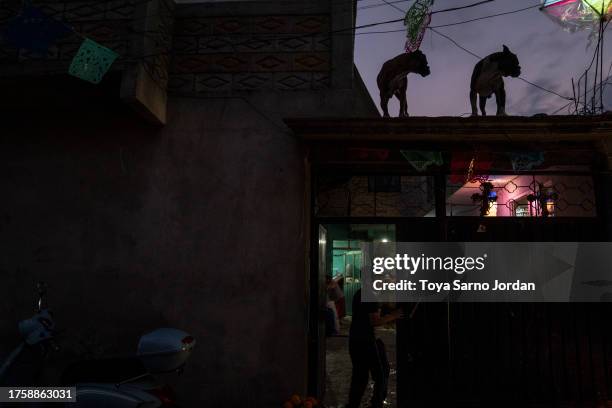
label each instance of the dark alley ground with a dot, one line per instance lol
(339, 368)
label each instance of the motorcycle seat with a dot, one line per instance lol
(108, 370)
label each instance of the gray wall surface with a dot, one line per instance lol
(199, 225)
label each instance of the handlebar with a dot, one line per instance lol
(42, 292)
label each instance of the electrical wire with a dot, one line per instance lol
(607, 82)
(342, 30)
(546, 90)
(454, 42)
(477, 56)
(462, 7)
(486, 17)
(567, 105)
(433, 29)
(355, 27)
(585, 73)
(388, 3)
(453, 24)
(334, 32)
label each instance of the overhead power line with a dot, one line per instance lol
(433, 28)
(453, 24)
(462, 7)
(479, 57)
(391, 3)
(486, 17)
(398, 20)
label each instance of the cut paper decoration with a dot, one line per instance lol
(478, 171)
(421, 160)
(526, 161)
(601, 6)
(469, 167)
(416, 21)
(460, 163)
(33, 30)
(576, 15)
(92, 61)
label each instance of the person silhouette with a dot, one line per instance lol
(368, 354)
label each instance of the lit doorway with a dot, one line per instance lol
(344, 244)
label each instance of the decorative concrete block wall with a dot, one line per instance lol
(251, 53)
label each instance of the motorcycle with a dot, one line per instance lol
(128, 382)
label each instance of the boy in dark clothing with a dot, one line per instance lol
(368, 354)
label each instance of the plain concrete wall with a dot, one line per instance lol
(199, 225)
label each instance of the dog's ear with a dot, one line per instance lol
(506, 49)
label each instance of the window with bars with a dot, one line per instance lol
(375, 196)
(535, 195)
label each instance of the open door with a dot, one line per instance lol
(316, 360)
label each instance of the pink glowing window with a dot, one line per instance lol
(522, 196)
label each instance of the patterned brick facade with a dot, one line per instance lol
(190, 54)
(281, 52)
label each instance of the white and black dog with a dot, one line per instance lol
(487, 79)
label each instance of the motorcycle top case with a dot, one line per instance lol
(165, 350)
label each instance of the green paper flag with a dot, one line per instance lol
(421, 160)
(416, 21)
(92, 61)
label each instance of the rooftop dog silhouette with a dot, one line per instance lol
(487, 79)
(393, 79)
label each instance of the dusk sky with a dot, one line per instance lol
(549, 56)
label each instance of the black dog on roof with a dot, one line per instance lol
(487, 79)
(392, 79)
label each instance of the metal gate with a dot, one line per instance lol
(477, 355)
